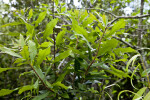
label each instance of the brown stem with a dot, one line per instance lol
(100, 40)
(41, 79)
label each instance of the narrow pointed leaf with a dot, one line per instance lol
(9, 51)
(40, 18)
(147, 97)
(139, 93)
(120, 24)
(21, 41)
(30, 14)
(12, 24)
(25, 88)
(62, 55)
(25, 53)
(49, 28)
(32, 49)
(59, 37)
(40, 73)
(4, 92)
(41, 97)
(42, 55)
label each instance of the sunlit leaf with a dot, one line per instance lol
(139, 93)
(25, 88)
(12, 24)
(25, 53)
(46, 44)
(120, 24)
(80, 30)
(21, 41)
(59, 84)
(49, 28)
(32, 49)
(30, 14)
(40, 18)
(59, 37)
(108, 46)
(42, 55)
(147, 96)
(4, 92)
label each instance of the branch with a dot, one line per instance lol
(126, 43)
(128, 17)
(98, 9)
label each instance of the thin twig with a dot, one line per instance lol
(100, 40)
(128, 17)
(126, 43)
(41, 79)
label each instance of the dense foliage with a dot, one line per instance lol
(49, 51)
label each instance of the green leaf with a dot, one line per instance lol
(40, 73)
(83, 38)
(62, 55)
(60, 85)
(12, 24)
(56, 2)
(120, 51)
(65, 95)
(24, 73)
(9, 51)
(147, 71)
(5, 69)
(42, 96)
(121, 73)
(30, 14)
(105, 20)
(46, 44)
(21, 41)
(30, 29)
(62, 76)
(4, 92)
(25, 53)
(42, 55)
(59, 37)
(120, 24)
(107, 46)
(25, 88)
(80, 30)
(83, 15)
(139, 93)
(49, 28)
(93, 17)
(131, 60)
(32, 49)
(147, 96)
(40, 18)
